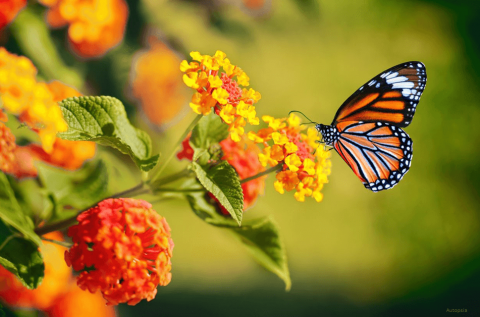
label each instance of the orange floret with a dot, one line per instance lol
(156, 83)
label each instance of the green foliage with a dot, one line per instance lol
(260, 236)
(78, 189)
(34, 38)
(207, 211)
(220, 179)
(21, 257)
(12, 214)
(223, 182)
(104, 120)
(206, 135)
(262, 239)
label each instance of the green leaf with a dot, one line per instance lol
(104, 120)
(223, 182)
(21, 257)
(12, 214)
(205, 210)
(209, 131)
(79, 189)
(260, 236)
(262, 239)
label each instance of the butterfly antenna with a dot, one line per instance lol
(304, 116)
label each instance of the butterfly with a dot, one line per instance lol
(367, 129)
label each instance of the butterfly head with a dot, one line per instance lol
(329, 133)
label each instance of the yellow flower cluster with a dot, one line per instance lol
(305, 164)
(218, 85)
(32, 101)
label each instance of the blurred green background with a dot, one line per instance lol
(411, 251)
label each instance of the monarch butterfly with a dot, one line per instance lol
(366, 130)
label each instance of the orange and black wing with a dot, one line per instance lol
(390, 97)
(378, 153)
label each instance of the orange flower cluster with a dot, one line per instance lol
(77, 302)
(156, 83)
(286, 144)
(32, 101)
(218, 86)
(67, 154)
(122, 248)
(36, 105)
(9, 9)
(95, 26)
(243, 157)
(58, 295)
(7, 148)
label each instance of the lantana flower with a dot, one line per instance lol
(154, 76)
(7, 148)
(36, 105)
(305, 164)
(218, 84)
(32, 101)
(243, 156)
(76, 302)
(122, 248)
(94, 26)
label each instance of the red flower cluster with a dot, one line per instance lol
(9, 9)
(243, 156)
(122, 248)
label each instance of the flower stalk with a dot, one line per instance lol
(134, 191)
(275, 168)
(175, 149)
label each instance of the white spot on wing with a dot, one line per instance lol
(396, 79)
(392, 75)
(407, 84)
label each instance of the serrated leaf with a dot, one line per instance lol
(21, 257)
(207, 211)
(262, 239)
(104, 120)
(223, 182)
(12, 214)
(209, 131)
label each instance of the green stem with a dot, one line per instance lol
(61, 243)
(170, 178)
(265, 172)
(6, 241)
(174, 190)
(174, 151)
(137, 190)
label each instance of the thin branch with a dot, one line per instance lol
(137, 190)
(61, 243)
(184, 135)
(268, 171)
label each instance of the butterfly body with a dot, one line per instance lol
(330, 133)
(367, 129)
